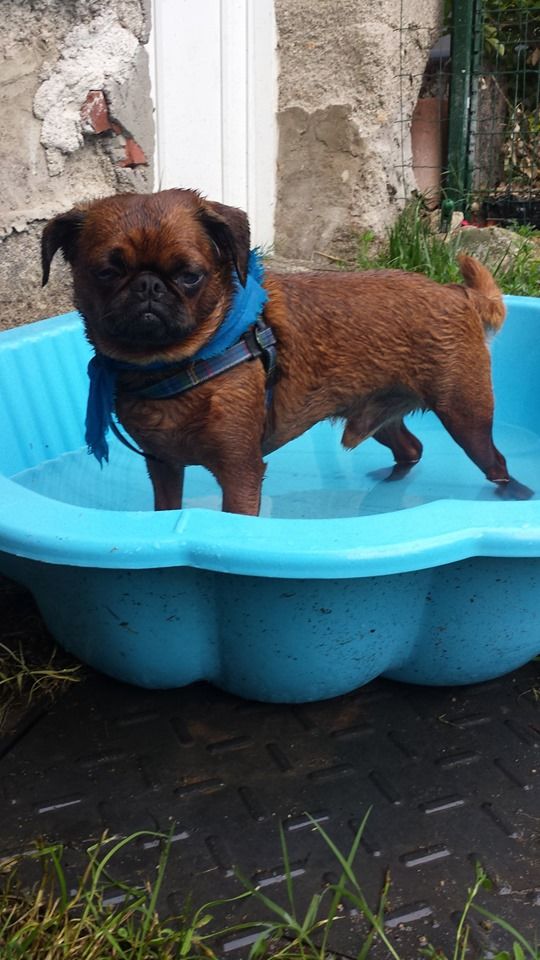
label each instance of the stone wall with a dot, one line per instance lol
(350, 73)
(75, 123)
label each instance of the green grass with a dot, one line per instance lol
(52, 923)
(413, 244)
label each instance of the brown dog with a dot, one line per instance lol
(154, 277)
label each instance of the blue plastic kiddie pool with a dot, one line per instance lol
(346, 575)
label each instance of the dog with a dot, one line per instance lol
(156, 277)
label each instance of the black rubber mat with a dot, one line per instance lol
(449, 775)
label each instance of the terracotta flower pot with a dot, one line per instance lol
(429, 134)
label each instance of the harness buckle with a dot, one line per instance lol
(261, 344)
(253, 343)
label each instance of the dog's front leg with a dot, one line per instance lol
(168, 484)
(241, 485)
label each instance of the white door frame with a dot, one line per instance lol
(214, 86)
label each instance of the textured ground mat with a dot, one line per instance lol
(450, 775)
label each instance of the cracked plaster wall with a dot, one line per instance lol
(75, 123)
(344, 152)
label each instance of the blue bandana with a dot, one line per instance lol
(246, 306)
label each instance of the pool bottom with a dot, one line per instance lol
(313, 477)
(285, 640)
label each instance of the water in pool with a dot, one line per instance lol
(312, 477)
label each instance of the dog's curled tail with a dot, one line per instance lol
(479, 279)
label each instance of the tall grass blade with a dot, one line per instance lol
(358, 896)
(287, 868)
(347, 872)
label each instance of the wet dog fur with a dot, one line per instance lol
(153, 280)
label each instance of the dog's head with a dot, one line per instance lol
(152, 273)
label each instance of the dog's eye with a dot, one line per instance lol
(106, 274)
(189, 279)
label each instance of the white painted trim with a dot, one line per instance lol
(214, 83)
(234, 92)
(262, 99)
(154, 89)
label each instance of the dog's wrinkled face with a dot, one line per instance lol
(153, 274)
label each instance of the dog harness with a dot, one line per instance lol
(242, 336)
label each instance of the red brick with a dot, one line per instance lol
(134, 155)
(95, 112)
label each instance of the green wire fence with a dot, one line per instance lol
(483, 83)
(494, 129)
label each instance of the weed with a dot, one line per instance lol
(31, 666)
(21, 675)
(412, 245)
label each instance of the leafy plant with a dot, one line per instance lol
(507, 43)
(412, 245)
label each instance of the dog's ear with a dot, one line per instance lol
(60, 233)
(228, 227)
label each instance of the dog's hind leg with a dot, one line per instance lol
(380, 415)
(466, 411)
(403, 444)
(473, 433)
(168, 484)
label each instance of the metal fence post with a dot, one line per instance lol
(458, 173)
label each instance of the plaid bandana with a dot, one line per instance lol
(220, 353)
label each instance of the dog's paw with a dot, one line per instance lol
(514, 490)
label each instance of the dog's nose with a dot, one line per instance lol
(148, 286)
